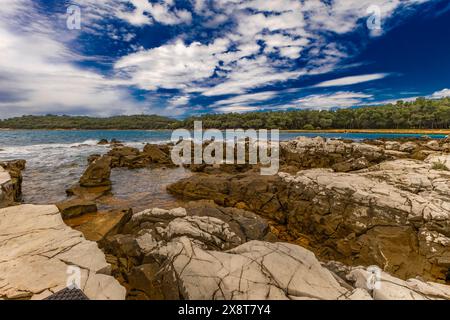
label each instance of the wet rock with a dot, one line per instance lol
(133, 158)
(88, 193)
(97, 174)
(157, 154)
(76, 207)
(37, 249)
(103, 142)
(93, 157)
(98, 226)
(114, 141)
(11, 182)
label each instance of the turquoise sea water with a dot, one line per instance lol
(57, 158)
(40, 137)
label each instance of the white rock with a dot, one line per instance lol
(254, 270)
(37, 249)
(388, 287)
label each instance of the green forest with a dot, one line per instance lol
(83, 122)
(419, 114)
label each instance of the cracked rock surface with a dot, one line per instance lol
(36, 250)
(261, 270)
(395, 214)
(306, 153)
(180, 259)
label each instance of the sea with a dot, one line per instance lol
(57, 158)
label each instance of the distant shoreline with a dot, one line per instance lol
(386, 131)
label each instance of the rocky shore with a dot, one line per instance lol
(11, 182)
(337, 217)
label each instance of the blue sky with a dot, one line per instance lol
(185, 57)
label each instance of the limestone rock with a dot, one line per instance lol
(392, 145)
(306, 153)
(433, 145)
(38, 250)
(387, 287)
(254, 270)
(395, 214)
(210, 231)
(408, 147)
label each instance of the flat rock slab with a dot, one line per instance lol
(76, 207)
(97, 226)
(38, 253)
(254, 270)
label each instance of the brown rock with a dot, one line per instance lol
(103, 142)
(14, 186)
(76, 207)
(97, 174)
(156, 154)
(98, 226)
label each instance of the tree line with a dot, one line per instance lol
(83, 122)
(419, 114)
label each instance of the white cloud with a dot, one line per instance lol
(237, 109)
(340, 99)
(441, 94)
(172, 66)
(258, 49)
(142, 12)
(39, 73)
(262, 28)
(351, 80)
(246, 99)
(145, 12)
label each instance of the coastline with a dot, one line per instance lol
(386, 131)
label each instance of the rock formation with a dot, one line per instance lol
(39, 253)
(133, 158)
(11, 182)
(395, 214)
(171, 254)
(342, 156)
(97, 174)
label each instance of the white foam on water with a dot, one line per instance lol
(53, 167)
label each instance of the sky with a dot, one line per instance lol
(187, 57)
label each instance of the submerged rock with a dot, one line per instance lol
(39, 253)
(103, 142)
